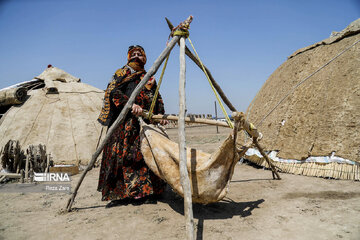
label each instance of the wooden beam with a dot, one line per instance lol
(11, 175)
(160, 117)
(184, 177)
(122, 115)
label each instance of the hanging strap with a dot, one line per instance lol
(213, 88)
(157, 88)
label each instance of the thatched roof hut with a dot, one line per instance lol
(61, 114)
(309, 109)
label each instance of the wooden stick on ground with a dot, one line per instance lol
(184, 177)
(11, 175)
(122, 115)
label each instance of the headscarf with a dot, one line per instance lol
(132, 49)
(121, 75)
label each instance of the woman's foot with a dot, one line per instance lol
(119, 202)
(152, 199)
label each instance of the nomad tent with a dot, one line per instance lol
(59, 112)
(309, 109)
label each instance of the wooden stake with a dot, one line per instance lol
(27, 167)
(47, 163)
(122, 115)
(184, 177)
(22, 174)
(216, 118)
(31, 175)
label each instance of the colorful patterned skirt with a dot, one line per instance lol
(123, 172)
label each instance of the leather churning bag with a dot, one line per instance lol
(210, 174)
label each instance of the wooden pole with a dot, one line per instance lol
(2, 178)
(22, 174)
(216, 118)
(11, 175)
(197, 62)
(122, 114)
(27, 167)
(253, 132)
(160, 117)
(184, 177)
(47, 163)
(31, 175)
(248, 127)
(272, 167)
(246, 124)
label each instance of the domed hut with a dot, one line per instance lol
(309, 109)
(59, 112)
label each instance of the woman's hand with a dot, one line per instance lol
(164, 122)
(136, 110)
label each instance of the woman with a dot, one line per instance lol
(124, 176)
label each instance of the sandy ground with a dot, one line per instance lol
(256, 207)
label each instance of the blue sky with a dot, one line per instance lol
(241, 42)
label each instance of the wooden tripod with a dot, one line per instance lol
(185, 181)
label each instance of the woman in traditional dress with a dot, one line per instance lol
(124, 176)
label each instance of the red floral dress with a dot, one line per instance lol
(123, 172)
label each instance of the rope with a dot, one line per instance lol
(213, 88)
(182, 29)
(181, 32)
(301, 82)
(157, 88)
(246, 135)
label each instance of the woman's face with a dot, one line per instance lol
(136, 54)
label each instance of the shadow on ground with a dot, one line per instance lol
(219, 210)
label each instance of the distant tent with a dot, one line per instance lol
(315, 131)
(60, 112)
